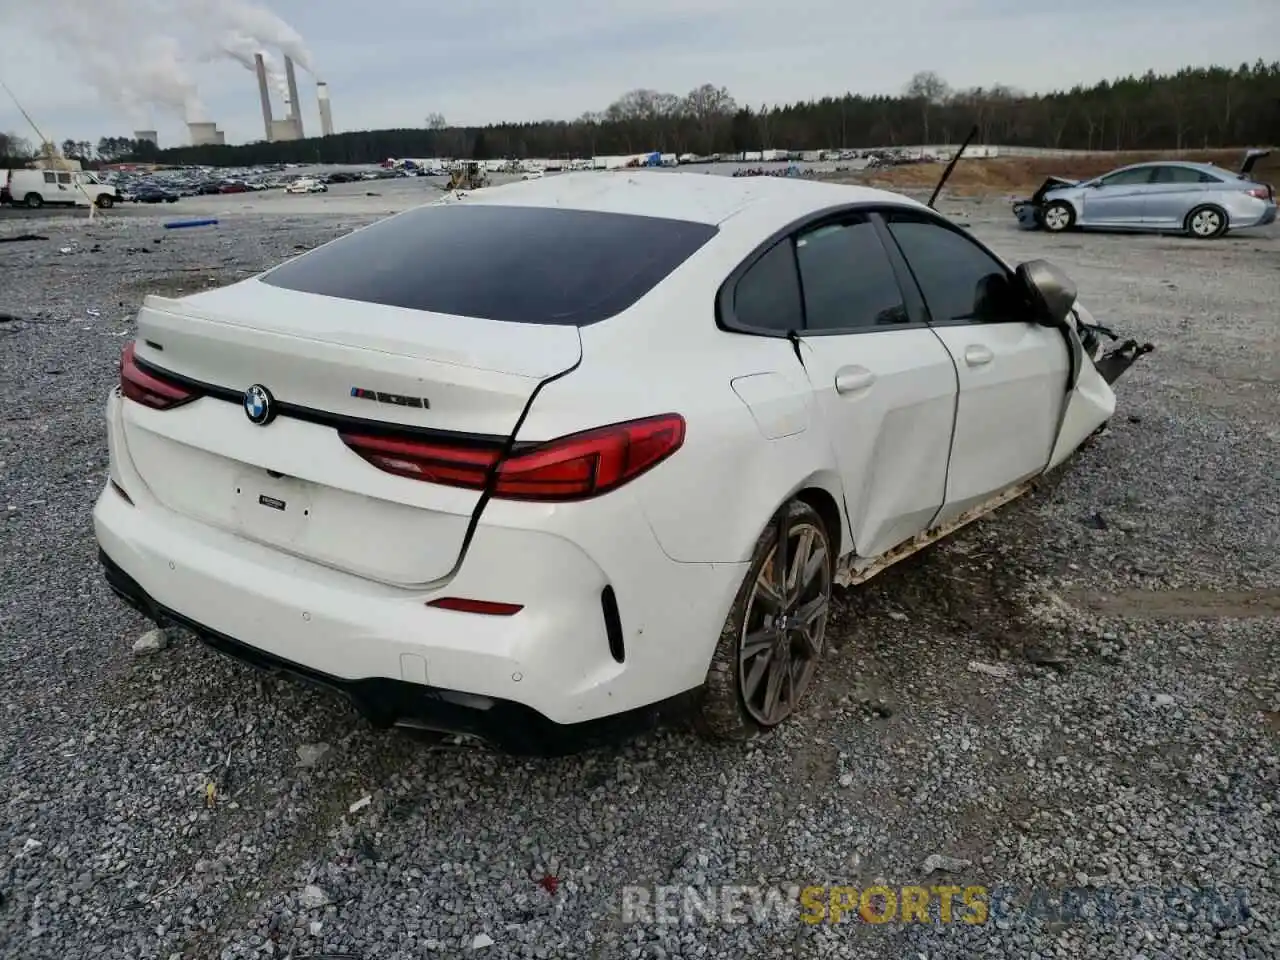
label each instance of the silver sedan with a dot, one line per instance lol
(1199, 199)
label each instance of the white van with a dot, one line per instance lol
(35, 188)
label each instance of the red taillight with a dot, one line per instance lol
(1262, 191)
(486, 607)
(148, 389)
(572, 468)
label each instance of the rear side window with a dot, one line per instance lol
(516, 264)
(847, 279)
(1182, 175)
(767, 297)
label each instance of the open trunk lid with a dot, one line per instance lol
(1251, 158)
(330, 365)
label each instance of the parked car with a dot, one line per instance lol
(150, 193)
(1199, 199)
(233, 186)
(306, 185)
(583, 449)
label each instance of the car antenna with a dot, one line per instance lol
(946, 174)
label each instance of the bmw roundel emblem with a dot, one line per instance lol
(259, 405)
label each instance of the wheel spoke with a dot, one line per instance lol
(780, 553)
(759, 667)
(812, 611)
(817, 560)
(767, 593)
(799, 561)
(778, 669)
(757, 643)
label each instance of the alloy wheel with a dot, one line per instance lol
(784, 627)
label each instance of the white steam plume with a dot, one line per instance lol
(131, 65)
(242, 49)
(252, 23)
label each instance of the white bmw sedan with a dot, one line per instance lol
(550, 459)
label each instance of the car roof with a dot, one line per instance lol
(1189, 164)
(699, 197)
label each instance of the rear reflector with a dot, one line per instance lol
(575, 467)
(148, 388)
(462, 605)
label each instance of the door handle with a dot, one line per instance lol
(975, 355)
(853, 379)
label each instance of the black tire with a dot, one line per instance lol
(33, 200)
(105, 201)
(724, 710)
(1205, 222)
(1058, 217)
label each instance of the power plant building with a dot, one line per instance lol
(290, 128)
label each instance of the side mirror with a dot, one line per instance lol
(1051, 291)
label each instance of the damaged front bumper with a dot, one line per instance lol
(1028, 210)
(1110, 364)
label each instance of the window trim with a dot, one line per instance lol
(727, 320)
(929, 217)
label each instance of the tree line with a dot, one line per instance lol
(1194, 108)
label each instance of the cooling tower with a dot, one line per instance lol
(295, 111)
(205, 134)
(326, 118)
(261, 66)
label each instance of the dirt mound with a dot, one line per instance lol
(1006, 175)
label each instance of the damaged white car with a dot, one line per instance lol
(546, 461)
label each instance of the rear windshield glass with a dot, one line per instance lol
(519, 264)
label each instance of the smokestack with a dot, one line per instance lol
(295, 113)
(326, 118)
(261, 67)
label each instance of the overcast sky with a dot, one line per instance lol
(391, 62)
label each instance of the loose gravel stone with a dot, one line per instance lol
(1117, 802)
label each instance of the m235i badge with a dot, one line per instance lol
(419, 403)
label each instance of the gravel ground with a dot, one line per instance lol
(1080, 692)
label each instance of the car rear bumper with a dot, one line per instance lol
(387, 702)
(610, 628)
(1256, 213)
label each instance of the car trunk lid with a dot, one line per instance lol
(292, 483)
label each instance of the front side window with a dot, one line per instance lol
(1127, 178)
(960, 281)
(847, 279)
